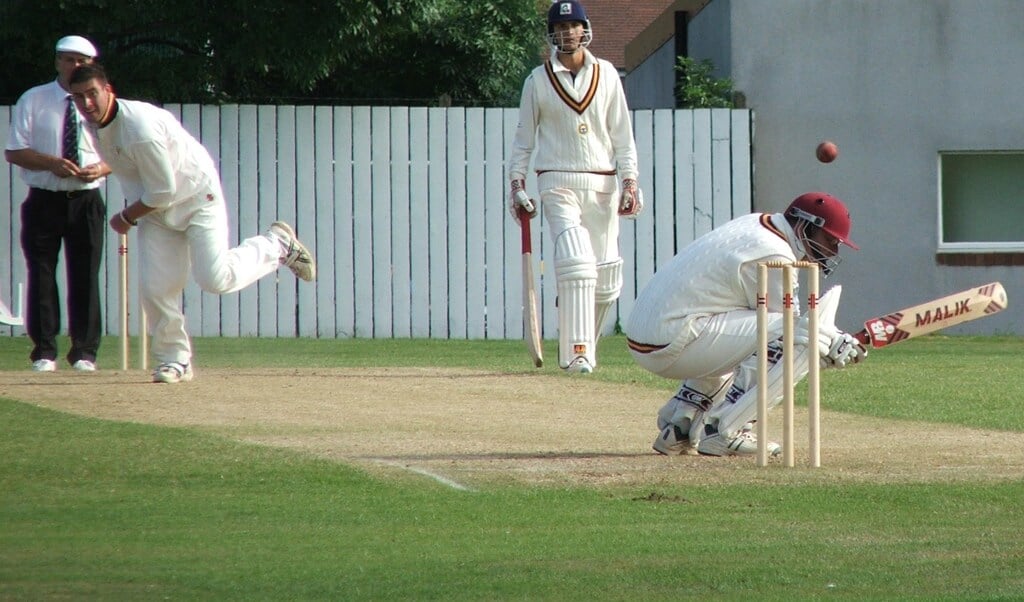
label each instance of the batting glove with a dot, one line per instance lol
(845, 349)
(801, 336)
(518, 198)
(631, 203)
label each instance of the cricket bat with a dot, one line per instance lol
(932, 316)
(531, 322)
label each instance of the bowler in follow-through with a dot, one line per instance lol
(175, 198)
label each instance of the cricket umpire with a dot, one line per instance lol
(59, 163)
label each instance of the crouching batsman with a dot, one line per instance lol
(696, 321)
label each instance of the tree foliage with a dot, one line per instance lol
(315, 51)
(698, 88)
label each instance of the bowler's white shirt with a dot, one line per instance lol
(154, 157)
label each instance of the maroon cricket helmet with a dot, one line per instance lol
(826, 212)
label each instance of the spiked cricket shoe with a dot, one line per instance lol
(580, 365)
(173, 372)
(743, 444)
(296, 257)
(674, 440)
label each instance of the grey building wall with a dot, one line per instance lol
(648, 86)
(710, 36)
(893, 84)
(651, 85)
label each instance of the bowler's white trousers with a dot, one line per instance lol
(193, 233)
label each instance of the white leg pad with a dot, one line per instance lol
(740, 403)
(609, 286)
(576, 275)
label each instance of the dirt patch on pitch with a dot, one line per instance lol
(471, 428)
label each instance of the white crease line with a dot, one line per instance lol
(426, 473)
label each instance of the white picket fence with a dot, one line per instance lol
(405, 208)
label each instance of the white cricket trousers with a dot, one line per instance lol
(596, 212)
(193, 234)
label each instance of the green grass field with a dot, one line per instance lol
(91, 509)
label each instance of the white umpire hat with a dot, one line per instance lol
(78, 45)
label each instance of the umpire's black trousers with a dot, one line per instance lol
(78, 219)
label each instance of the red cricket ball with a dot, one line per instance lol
(827, 151)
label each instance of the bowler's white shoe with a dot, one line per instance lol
(44, 366)
(743, 444)
(84, 366)
(172, 372)
(674, 440)
(296, 257)
(580, 365)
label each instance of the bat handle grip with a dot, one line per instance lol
(524, 222)
(863, 337)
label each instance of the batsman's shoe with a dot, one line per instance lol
(172, 372)
(674, 440)
(296, 257)
(84, 366)
(743, 444)
(580, 365)
(44, 366)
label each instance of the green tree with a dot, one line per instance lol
(698, 88)
(316, 51)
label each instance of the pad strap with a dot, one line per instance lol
(609, 287)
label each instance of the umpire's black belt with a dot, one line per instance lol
(63, 194)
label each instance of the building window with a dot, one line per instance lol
(981, 208)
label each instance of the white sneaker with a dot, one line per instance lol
(744, 444)
(579, 365)
(44, 366)
(172, 372)
(296, 257)
(84, 366)
(674, 440)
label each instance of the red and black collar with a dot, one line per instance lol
(564, 94)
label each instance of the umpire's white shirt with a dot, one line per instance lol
(37, 122)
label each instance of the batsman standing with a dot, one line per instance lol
(177, 203)
(696, 321)
(574, 123)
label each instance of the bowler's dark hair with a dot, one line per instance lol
(88, 71)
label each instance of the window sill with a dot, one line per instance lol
(979, 259)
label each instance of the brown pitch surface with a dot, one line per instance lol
(478, 428)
